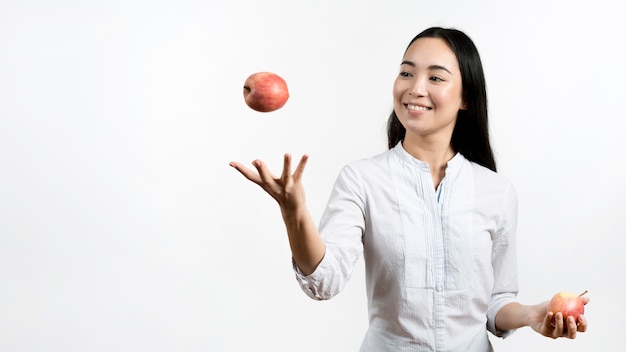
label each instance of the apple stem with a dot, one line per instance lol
(582, 294)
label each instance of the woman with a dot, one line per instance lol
(434, 221)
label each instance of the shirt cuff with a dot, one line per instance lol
(494, 308)
(308, 283)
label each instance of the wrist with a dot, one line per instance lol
(293, 213)
(536, 313)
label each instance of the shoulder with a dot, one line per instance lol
(493, 187)
(489, 178)
(369, 173)
(378, 161)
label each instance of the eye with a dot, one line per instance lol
(405, 74)
(436, 79)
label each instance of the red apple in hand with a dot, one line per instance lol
(265, 91)
(567, 303)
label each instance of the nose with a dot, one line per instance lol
(417, 88)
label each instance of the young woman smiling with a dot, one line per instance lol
(435, 223)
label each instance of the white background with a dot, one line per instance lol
(122, 227)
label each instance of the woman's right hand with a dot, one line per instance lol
(287, 189)
(306, 244)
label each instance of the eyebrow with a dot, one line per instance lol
(431, 67)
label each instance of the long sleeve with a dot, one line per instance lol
(504, 262)
(341, 226)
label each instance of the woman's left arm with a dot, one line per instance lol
(515, 315)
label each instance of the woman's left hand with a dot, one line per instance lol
(554, 325)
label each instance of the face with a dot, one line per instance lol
(428, 91)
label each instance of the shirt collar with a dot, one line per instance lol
(453, 164)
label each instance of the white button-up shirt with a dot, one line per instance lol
(439, 263)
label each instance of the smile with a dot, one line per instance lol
(417, 107)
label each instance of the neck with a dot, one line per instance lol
(436, 155)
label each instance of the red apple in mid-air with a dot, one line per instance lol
(568, 304)
(265, 91)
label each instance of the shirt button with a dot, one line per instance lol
(439, 287)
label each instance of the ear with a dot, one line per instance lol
(463, 105)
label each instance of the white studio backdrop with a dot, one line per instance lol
(122, 227)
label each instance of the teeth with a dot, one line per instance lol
(417, 107)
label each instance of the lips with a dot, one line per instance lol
(417, 107)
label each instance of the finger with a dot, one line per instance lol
(300, 168)
(548, 320)
(247, 173)
(582, 323)
(265, 174)
(547, 327)
(558, 325)
(571, 327)
(286, 166)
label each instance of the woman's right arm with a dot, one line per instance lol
(306, 244)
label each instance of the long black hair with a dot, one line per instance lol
(471, 131)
